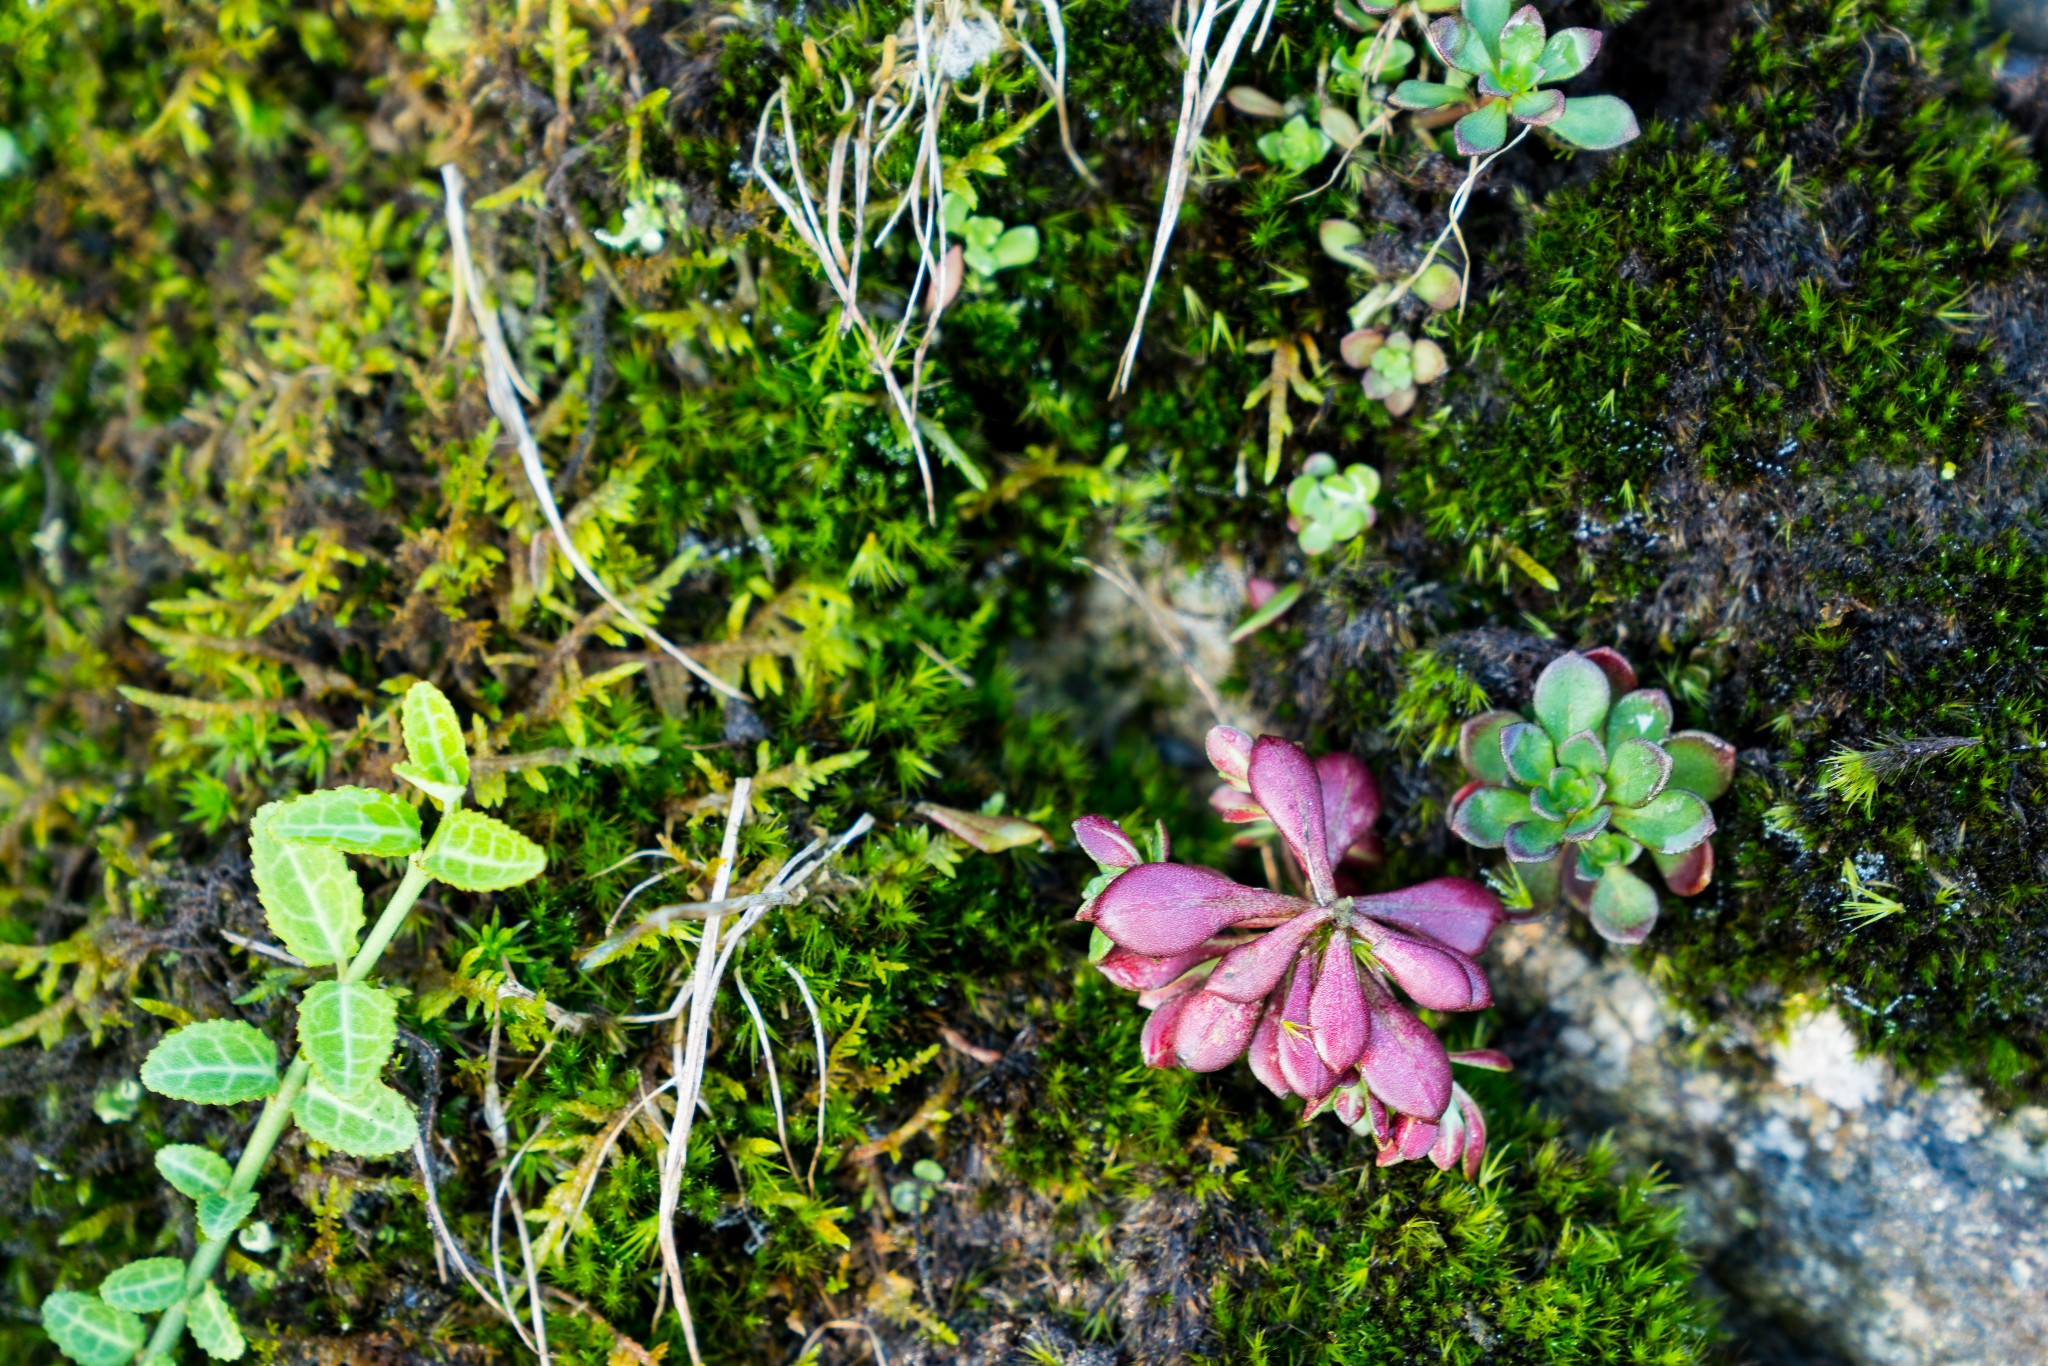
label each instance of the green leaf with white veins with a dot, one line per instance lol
(218, 1062)
(437, 759)
(478, 854)
(347, 1030)
(374, 1124)
(146, 1286)
(90, 1331)
(220, 1215)
(310, 896)
(355, 820)
(213, 1325)
(194, 1171)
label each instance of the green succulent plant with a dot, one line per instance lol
(986, 244)
(1515, 59)
(1330, 506)
(1394, 364)
(1576, 795)
(1296, 145)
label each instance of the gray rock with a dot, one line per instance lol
(1848, 1215)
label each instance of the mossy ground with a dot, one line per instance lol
(261, 488)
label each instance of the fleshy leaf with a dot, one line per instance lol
(216, 1062)
(1644, 714)
(1403, 1062)
(1155, 1041)
(1424, 95)
(1532, 841)
(1583, 752)
(1435, 977)
(220, 1215)
(1479, 746)
(1568, 52)
(1236, 807)
(355, 820)
(146, 1286)
(1701, 762)
(1521, 37)
(1303, 1067)
(213, 1325)
(1250, 971)
(1105, 841)
(1596, 123)
(478, 854)
(1160, 909)
(1538, 107)
(1624, 907)
(347, 1030)
(1136, 972)
(1670, 823)
(1529, 753)
(1486, 814)
(1489, 17)
(193, 1171)
(1637, 772)
(1460, 44)
(1582, 828)
(1284, 782)
(90, 1331)
(1336, 1007)
(1213, 1032)
(437, 756)
(310, 896)
(1351, 800)
(1264, 1054)
(1451, 910)
(1483, 130)
(1571, 695)
(1689, 873)
(1230, 749)
(374, 1124)
(1018, 246)
(1491, 1059)
(1621, 675)
(1475, 1133)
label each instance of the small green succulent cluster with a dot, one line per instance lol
(1576, 795)
(1330, 506)
(1514, 59)
(1394, 364)
(986, 244)
(333, 1090)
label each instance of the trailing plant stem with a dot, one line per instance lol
(277, 1113)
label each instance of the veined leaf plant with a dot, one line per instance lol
(347, 1026)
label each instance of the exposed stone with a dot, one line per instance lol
(1850, 1216)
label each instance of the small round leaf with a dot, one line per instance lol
(193, 1171)
(146, 1286)
(217, 1062)
(478, 854)
(90, 1331)
(347, 1030)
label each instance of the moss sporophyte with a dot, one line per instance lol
(1302, 983)
(1576, 795)
(333, 1090)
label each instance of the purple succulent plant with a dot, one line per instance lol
(1576, 795)
(1303, 984)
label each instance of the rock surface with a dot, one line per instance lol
(1849, 1216)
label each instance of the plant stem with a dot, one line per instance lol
(277, 1113)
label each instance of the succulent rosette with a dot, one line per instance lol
(1576, 794)
(1304, 985)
